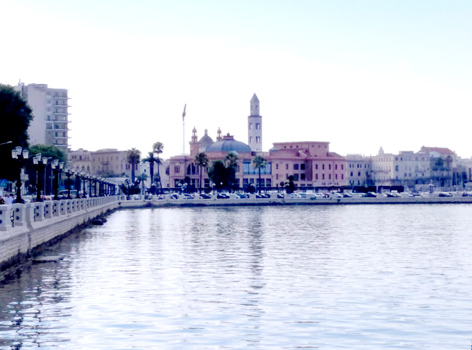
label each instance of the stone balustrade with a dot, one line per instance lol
(17, 215)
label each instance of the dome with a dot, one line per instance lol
(228, 144)
(205, 141)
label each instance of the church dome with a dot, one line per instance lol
(228, 144)
(205, 141)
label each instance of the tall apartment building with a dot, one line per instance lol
(50, 115)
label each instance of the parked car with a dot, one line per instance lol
(371, 194)
(347, 195)
(445, 194)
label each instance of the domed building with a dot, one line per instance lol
(183, 168)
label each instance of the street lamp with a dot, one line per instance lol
(84, 178)
(69, 173)
(90, 178)
(22, 156)
(40, 164)
(57, 169)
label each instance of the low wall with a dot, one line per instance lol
(252, 201)
(25, 227)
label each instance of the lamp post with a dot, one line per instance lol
(57, 169)
(69, 173)
(78, 176)
(84, 178)
(40, 164)
(90, 178)
(22, 156)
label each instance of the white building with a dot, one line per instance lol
(50, 115)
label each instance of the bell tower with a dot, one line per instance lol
(254, 126)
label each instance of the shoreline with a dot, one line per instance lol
(163, 203)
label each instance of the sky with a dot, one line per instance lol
(358, 74)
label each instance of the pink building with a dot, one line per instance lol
(310, 163)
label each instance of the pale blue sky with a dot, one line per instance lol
(359, 74)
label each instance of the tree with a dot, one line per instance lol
(158, 148)
(15, 116)
(259, 163)
(52, 152)
(290, 187)
(223, 172)
(48, 151)
(231, 163)
(133, 156)
(151, 159)
(201, 160)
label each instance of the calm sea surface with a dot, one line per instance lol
(310, 277)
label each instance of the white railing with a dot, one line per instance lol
(16, 215)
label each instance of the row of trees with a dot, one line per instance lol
(153, 157)
(223, 172)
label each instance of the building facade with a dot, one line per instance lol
(50, 125)
(309, 163)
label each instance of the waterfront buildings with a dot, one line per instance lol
(51, 115)
(309, 163)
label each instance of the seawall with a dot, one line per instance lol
(26, 228)
(291, 201)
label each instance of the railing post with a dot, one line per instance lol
(38, 211)
(48, 209)
(5, 217)
(18, 213)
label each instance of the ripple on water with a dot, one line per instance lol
(347, 277)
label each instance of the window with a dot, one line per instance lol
(352, 174)
(277, 166)
(295, 166)
(329, 166)
(342, 166)
(335, 167)
(276, 176)
(250, 126)
(295, 177)
(258, 126)
(177, 169)
(322, 176)
(323, 166)
(302, 176)
(258, 139)
(286, 166)
(316, 166)
(302, 166)
(359, 173)
(250, 139)
(316, 176)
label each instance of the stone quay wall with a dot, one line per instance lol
(26, 227)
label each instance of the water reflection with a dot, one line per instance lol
(357, 277)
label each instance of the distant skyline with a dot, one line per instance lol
(358, 74)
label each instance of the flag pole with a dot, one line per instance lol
(183, 128)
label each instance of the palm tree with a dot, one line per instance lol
(201, 160)
(133, 156)
(151, 159)
(231, 163)
(259, 163)
(158, 148)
